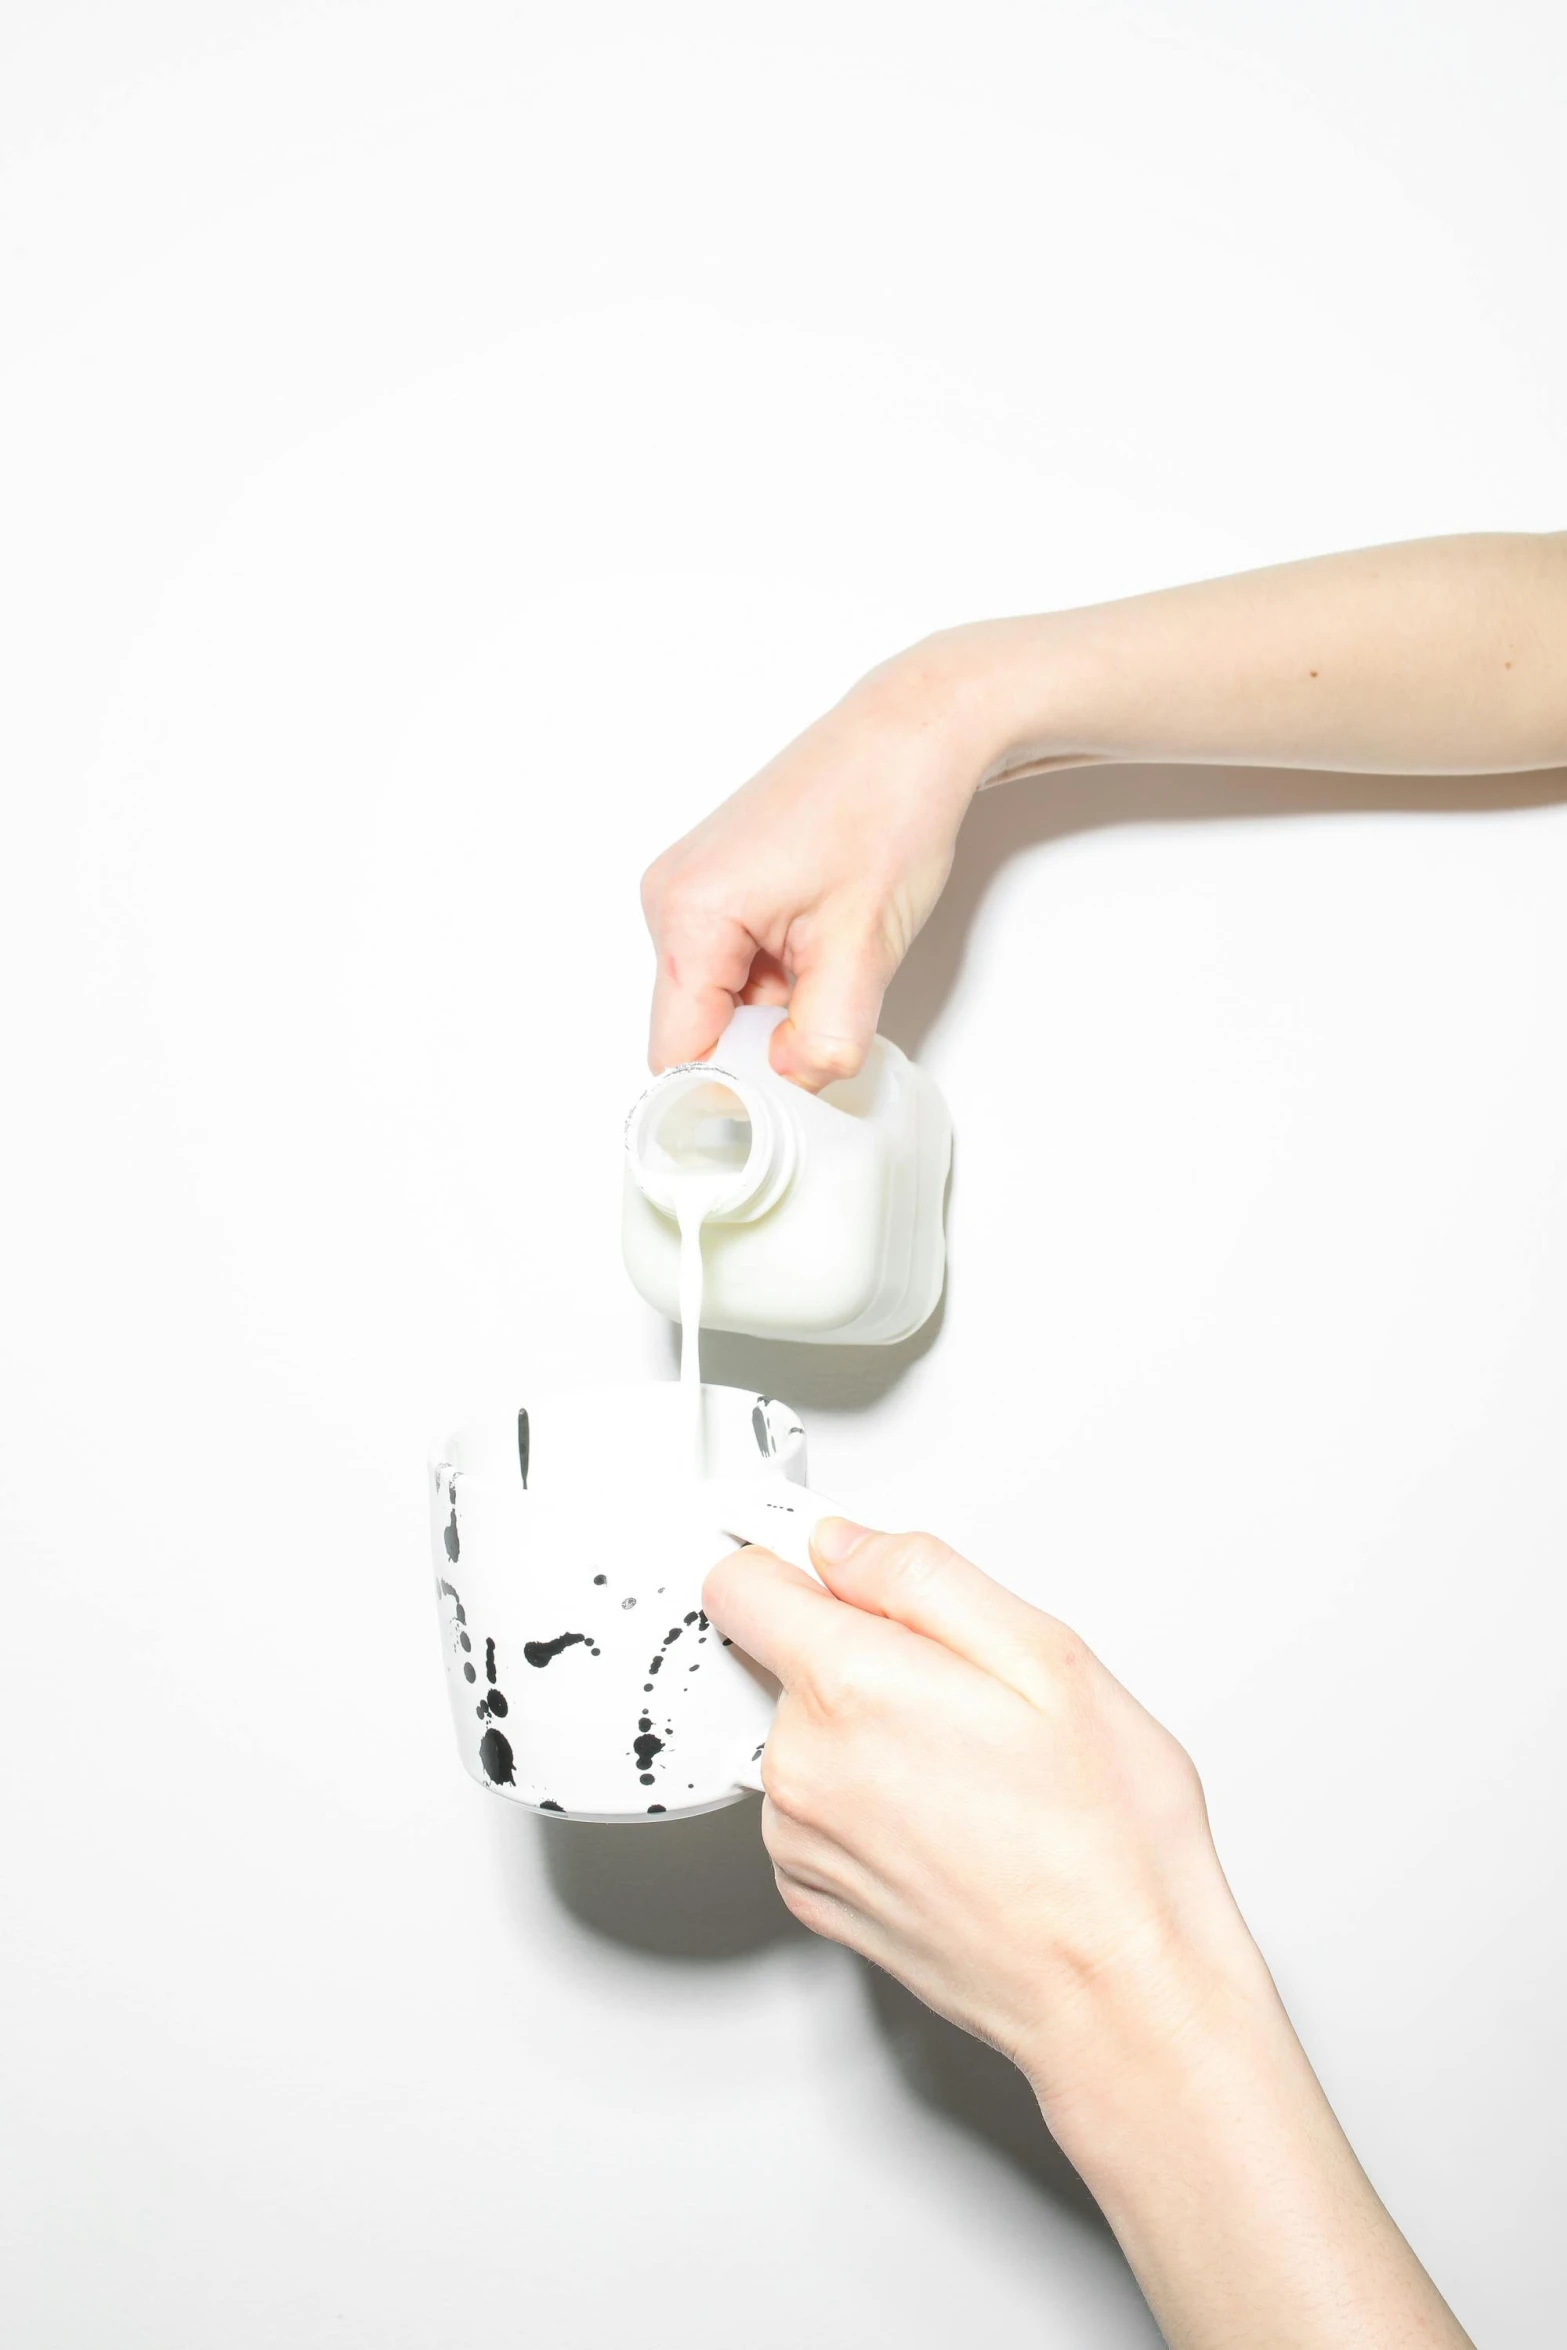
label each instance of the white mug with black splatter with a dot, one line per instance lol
(571, 1539)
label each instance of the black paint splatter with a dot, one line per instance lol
(495, 1754)
(453, 1546)
(539, 1652)
(655, 1807)
(523, 1447)
(548, 1803)
(628, 1603)
(601, 1578)
(645, 1747)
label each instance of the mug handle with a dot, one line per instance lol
(781, 1517)
(777, 1515)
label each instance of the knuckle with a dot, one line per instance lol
(780, 1834)
(1069, 1654)
(841, 1687)
(790, 1780)
(828, 1687)
(1067, 1669)
(797, 1898)
(674, 900)
(787, 1788)
(813, 1909)
(915, 1561)
(833, 1057)
(718, 1583)
(1177, 1775)
(655, 882)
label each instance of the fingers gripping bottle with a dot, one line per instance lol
(819, 1215)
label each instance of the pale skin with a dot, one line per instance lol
(956, 1787)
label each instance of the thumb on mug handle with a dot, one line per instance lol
(779, 1516)
(782, 1518)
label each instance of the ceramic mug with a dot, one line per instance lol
(570, 1536)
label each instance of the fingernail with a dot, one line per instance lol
(834, 1538)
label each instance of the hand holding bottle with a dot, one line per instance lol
(808, 887)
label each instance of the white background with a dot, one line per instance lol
(442, 449)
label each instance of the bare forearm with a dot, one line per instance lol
(809, 884)
(1442, 656)
(1234, 2193)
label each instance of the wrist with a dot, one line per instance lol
(1147, 2042)
(977, 695)
(1218, 2162)
(1028, 693)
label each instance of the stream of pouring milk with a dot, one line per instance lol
(706, 1136)
(695, 1197)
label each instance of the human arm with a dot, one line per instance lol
(808, 886)
(959, 1790)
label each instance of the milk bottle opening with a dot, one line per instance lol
(698, 1128)
(698, 1132)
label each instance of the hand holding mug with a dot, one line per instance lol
(959, 1790)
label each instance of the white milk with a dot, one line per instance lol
(750, 1205)
(705, 1139)
(695, 1197)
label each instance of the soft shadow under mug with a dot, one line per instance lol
(571, 1535)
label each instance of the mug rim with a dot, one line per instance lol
(478, 1413)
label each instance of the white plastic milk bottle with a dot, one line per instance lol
(751, 1205)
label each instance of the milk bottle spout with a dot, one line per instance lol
(699, 1127)
(820, 1214)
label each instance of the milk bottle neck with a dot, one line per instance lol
(704, 1131)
